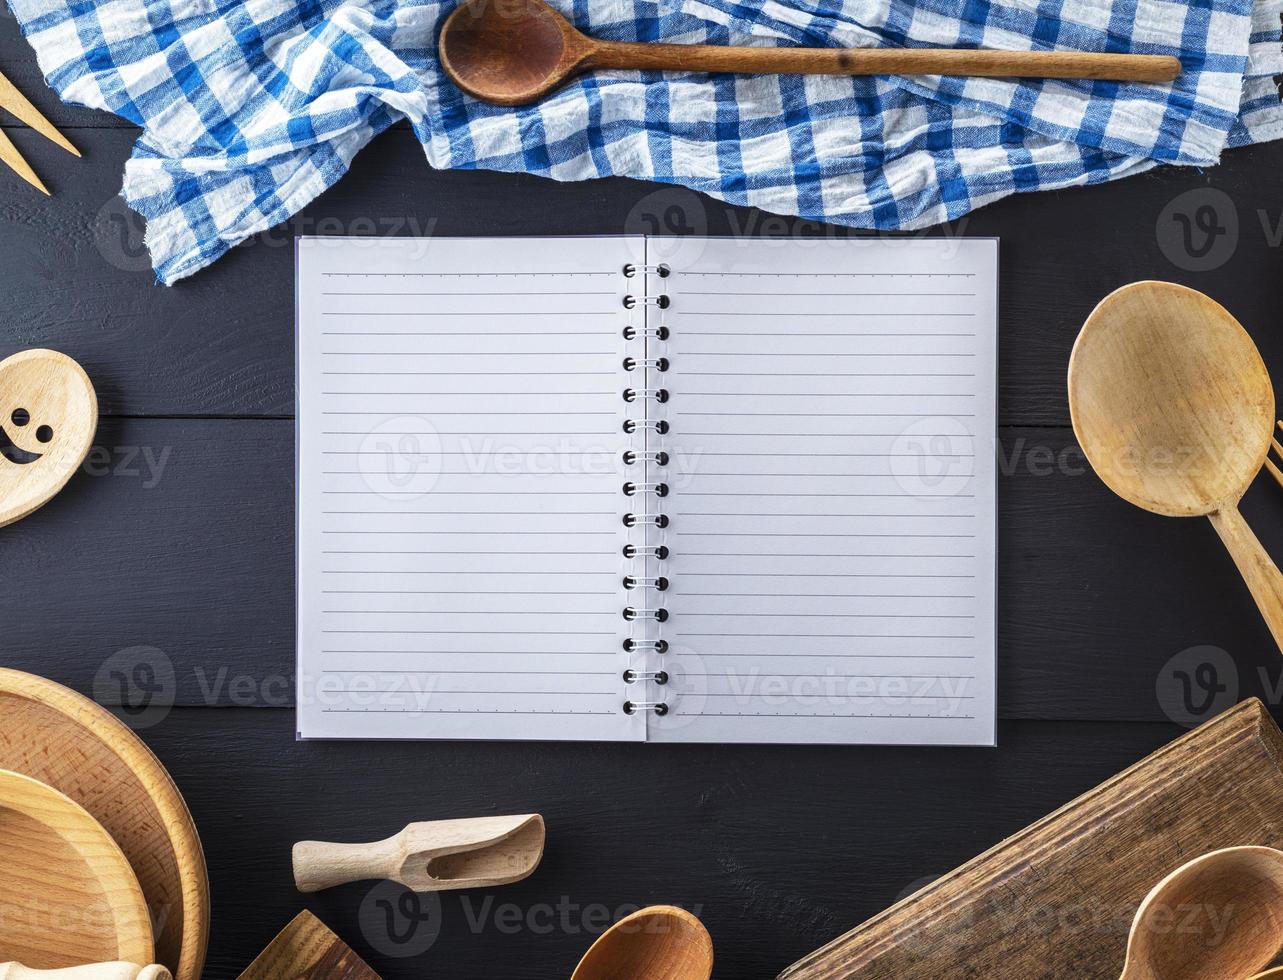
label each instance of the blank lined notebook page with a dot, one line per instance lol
(832, 536)
(459, 535)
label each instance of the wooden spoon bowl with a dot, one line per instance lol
(658, 943)
(48, 416)
(1173, 407)
(1219, 917)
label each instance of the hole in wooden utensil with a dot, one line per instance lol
(20, 417)
(517, 853)
(44, 433)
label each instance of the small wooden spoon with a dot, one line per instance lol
(658, 943)
(514, 52)
(1219, 917)
(93, 971)
(1173, 406)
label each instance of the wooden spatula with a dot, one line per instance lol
(307, 950)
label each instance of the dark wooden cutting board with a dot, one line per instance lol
(1057, 899)
(306, 949)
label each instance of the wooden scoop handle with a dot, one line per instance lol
(885, 61)
(93, 971)
(1255, 565)
(319, 865)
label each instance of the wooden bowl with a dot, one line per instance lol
(67, 893)
(79, 748)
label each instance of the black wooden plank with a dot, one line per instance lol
(776, 857)
(182, 540)
(77, 277)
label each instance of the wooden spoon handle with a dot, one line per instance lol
(1255, 564)
(885, 61)
(319, 865)
(93, 971)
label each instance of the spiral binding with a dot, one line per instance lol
(659, 707)
(646, 579)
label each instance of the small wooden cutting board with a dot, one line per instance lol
(306, 949)
(1057, 898)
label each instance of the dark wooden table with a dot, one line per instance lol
(175, 547)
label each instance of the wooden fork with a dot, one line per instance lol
(1271, 465)
(18, 104)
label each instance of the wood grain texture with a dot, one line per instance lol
(48, 417)
(1011, 912)
(662, 942)
(430, 856)
(221, 343)
(1174, 408)
(1243, 886)
(517, 52)
(67, 892)
(91, 971)
(307, 950)
(198, 516)
(711, 829)
(70, 743)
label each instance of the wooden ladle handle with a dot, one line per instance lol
(885, 61)
(1255, 565)
(92, 971)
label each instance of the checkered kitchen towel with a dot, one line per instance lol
(250, 108)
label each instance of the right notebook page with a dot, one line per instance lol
(832, 490)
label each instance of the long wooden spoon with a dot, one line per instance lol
(1219, 917)
(514, 52)
(1173, 406)
(658, 943)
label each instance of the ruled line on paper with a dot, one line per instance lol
(488, 351)
(764, 580)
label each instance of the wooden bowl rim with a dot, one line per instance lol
(180, 828)
(86, 822)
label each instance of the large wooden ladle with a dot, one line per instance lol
(662, 942)
(514, 52)
(1173, 406)
(1219, 917)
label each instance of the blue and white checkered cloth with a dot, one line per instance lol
(251, 108)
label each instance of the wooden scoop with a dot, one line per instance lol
(93, 971)
(429, 857)
(658, 943)
(48, 416)
(514, 52)
(1219, 917)
(1174, 408)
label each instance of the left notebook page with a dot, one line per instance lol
(459, 534)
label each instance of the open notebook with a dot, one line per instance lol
(630, 488)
